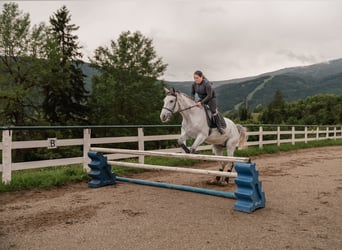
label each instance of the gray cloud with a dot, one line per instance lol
(302, 58)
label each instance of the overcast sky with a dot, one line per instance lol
(225, 39)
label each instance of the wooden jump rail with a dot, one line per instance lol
(173, 155)
(175, 169)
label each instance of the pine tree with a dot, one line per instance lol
(64, 89)
(275, 111)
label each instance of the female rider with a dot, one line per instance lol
(205, 91)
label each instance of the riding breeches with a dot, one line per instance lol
(212, 105)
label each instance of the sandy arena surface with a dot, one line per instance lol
(303, 211)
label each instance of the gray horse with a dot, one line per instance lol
(195, 126)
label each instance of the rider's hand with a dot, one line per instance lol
(198, 104)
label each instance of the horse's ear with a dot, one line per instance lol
(173, 91)
(166, 90)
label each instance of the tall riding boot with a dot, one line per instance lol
(218, 123)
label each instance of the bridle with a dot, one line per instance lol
(173, 108)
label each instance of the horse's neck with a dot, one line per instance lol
(191, 114)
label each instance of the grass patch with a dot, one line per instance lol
(164, 161)
(44, 177)
(58, 176)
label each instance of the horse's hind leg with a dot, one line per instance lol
(218, 150)
(230, 169)
(230, 152)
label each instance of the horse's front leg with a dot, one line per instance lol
(198, 141)
(182, 142)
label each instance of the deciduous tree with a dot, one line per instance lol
(20, 64)
(127, 90)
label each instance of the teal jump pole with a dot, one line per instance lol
(178, 187)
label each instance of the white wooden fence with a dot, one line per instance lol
(296, 134)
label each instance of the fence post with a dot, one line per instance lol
(278, 136)
(306, 134)
(327, 133)
(141, 144)
(260, 137)
(6, 156)
(86, 148)
(317, 133)
(334, 133)
(293, 137)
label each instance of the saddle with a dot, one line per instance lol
(213, 121)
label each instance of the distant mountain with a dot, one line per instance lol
(294, 83)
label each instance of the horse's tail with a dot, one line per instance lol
(243, 136)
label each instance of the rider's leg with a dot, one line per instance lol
(213, 108)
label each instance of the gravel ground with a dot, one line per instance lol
(303, 211)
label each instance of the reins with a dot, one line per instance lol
(187, 108)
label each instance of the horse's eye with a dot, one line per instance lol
(171, 101)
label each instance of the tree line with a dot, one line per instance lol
(321, 109)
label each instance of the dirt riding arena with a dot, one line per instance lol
(303, 211)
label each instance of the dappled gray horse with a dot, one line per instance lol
(195, 126)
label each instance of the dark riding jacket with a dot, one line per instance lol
(206, 93)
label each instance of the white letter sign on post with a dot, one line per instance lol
(52, 143)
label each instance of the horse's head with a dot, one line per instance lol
(174, 102)
(170, 105)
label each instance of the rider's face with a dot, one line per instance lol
(198, 79)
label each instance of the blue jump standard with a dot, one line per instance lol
(249, 192)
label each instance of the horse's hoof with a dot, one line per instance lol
(223, 183)
(212, 182)
(217, 182)
(192, 151)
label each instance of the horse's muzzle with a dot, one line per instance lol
(165, 117)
